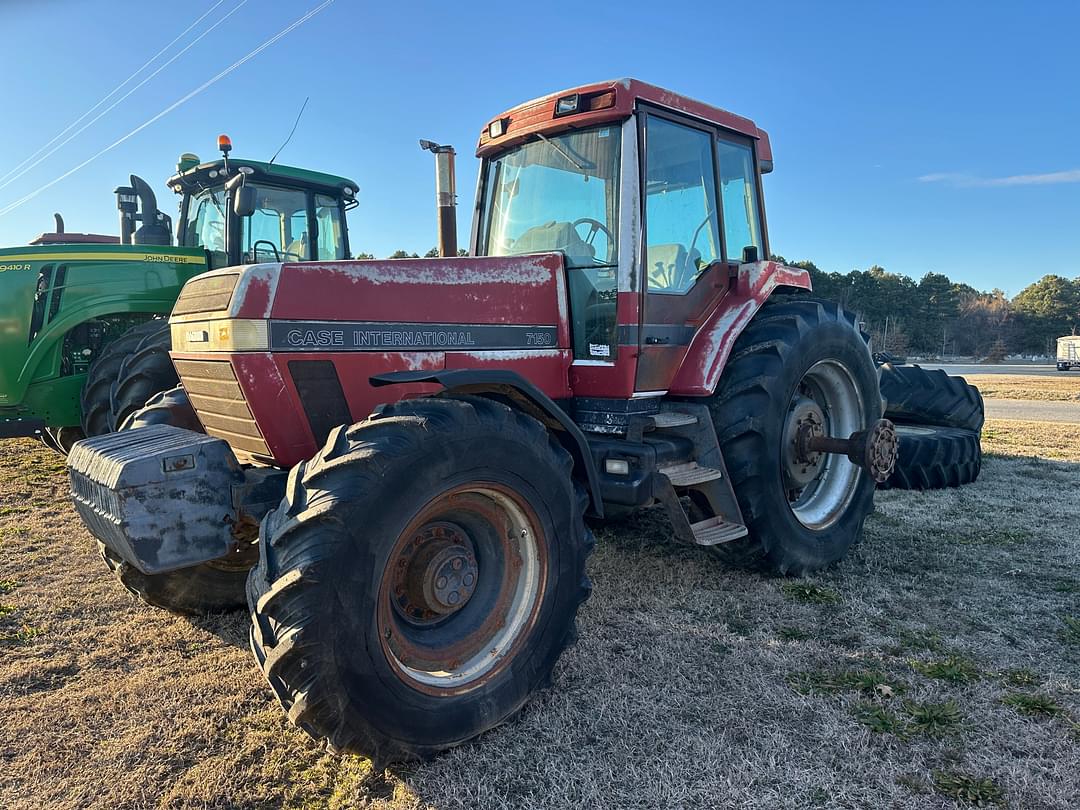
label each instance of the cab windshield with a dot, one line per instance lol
(279, 229)
(556, 193)
(561, 193)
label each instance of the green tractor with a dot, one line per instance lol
(83, 339)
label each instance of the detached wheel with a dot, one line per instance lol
(801, 363)
(935, 458)
(421, 577)
(99, 410)
(211, 587)
(930, 397)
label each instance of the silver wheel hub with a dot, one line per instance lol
(820, 485)
(805, 418)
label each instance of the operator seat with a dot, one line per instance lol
(671, 268)
(592, 318)
(297, 248)
(559, 236)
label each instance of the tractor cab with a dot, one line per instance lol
(248, 211)
(643, 191)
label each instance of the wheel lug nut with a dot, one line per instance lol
(440, 582)
(453, 598)
(467, 579)
(457, 564)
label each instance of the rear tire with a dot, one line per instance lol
(919, 396)
(98, 416)
(791, 349)
(210, 587)
(344, 626)
(934, 457)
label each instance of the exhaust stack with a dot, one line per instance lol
(445, 196)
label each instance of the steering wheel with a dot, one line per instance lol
(273, 247)
(594, 226)
(690, 252)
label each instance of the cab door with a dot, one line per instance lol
(690, 172)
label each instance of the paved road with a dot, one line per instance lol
(1033, 410)
(1030, 370)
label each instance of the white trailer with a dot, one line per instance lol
(1068, 352)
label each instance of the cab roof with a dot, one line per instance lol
(191, 179)
(610, 101)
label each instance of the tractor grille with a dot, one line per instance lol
(211, 294)
(215, 394)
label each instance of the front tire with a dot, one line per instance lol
(421, 577)
(799, 361)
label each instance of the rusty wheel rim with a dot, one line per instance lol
(827, 402)
(462, 588)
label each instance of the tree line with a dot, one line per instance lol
(938, 316)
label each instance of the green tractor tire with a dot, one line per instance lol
(131, 370)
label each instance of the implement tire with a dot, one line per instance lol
(350, 627)
(210, 587)
(933, 457)
(918, 396)
(98, 416)
(799, 359)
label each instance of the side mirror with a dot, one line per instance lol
(749, 254)
(244, 201)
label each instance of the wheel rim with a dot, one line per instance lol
(461, 588)
(820, 486)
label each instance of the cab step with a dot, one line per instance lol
(715, 530)
(673, 419)
(689, 474)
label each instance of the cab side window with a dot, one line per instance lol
(681, 220)
(330, 244)
(739, 193)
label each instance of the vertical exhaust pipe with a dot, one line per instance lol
(445, 196)
(128, 204)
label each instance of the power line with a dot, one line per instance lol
(111, 93)
(112, 106)
(252, 54)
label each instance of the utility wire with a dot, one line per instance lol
(111, 93)
(251, 55)
(120, 100)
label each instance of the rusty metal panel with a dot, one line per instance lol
(700, 371)
(516, 290)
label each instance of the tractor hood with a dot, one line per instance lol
(274, 356)
(56, 302)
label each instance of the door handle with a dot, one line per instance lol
(653, 340)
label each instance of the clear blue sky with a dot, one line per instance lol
(937, 136)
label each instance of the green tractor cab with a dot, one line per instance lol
(83, 340)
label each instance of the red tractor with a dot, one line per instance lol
(422, 440)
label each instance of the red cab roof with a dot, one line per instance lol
(610, 101)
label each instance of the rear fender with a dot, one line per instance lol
(703, 363)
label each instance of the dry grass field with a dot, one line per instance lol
(940, 661)
(1065, 388)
